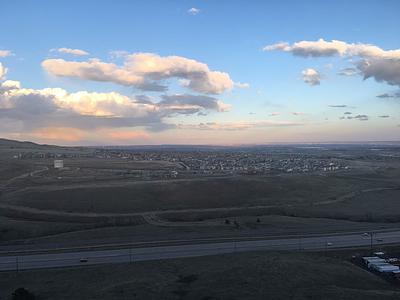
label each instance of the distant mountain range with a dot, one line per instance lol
(6, 143)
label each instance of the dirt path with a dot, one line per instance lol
(154, 219)
(22, 176)
(353, 194)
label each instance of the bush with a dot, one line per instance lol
(22, 294)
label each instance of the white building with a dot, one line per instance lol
(58, 164)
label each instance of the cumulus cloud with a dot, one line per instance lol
(311, 76)
(5, 53)
(334, 47)
(193, 11)
(274, 114)
(298, 113)
(242, 125)
(38, 110)
(145, 71)
(382, 65)
(347, 113)
(77, 52)
(190, 104)
(92, 69)
(3, 71)
(382, 70)
(9, 85)
(384, 116)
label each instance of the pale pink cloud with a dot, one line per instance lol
(67, 134)
(124, 135)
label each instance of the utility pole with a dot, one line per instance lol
(371, 237)
(371, 234)
(327, 244)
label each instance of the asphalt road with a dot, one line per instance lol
(126, 255)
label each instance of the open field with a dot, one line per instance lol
(109, 195)
(190, 194)
(380, 205)
(287, 211)
(257, 275)
(374, 206)
(13, 229)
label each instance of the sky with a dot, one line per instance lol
(199, 72)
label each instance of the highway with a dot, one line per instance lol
(135, 254)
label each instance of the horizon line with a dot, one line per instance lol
(378, 142)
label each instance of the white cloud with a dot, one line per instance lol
(382, 65)
(242, 85)
(9, 85)
(87, 110)
(3, 71)
(5, 53)
(77, 52)
(334, 47)
(283, 46)
(145, 71)
(311, 76)
(102, 104)
(92, 69)
(193, 11)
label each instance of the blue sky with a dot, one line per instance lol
(226, 36)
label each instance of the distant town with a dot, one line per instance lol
(215, 161)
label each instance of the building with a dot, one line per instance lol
(58, 164)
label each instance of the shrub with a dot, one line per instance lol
(22, 294)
